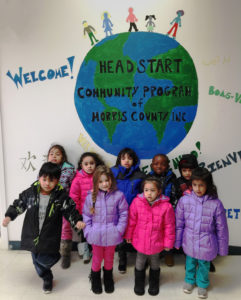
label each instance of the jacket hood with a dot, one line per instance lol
(82, 173)
(162, 198)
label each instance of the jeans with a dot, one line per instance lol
(44, 262)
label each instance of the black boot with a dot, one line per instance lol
(65, 250)
(212, 267)
(108, 280)
(48, 282)
(154, 281)
(122, 261)
(139, 287)
(95, 279)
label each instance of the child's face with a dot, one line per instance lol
(186, 173)
(104, 183)
(55, 156)
(47, 184)
(151, 192)
(126, 161)
(199, 187)
(88, 164)
(159, 165)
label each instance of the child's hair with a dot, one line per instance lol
(61, 149)
(101, 170)
(51, 170)
(204, 175)
(188, 161)
(130, 152)
(162, 155)
(154, 180)
(97, 159)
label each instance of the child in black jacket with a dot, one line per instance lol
(45, 202)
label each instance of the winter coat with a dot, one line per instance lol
(151, 228)
(81, 184)
(201, 227)
(48, 239)
(129, 181)
(183, 185)
(169, 186)
(67, 175)
(107, 225)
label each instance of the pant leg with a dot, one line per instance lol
(202, 279)
(98, 255)
(141, 261)
(109, 257)
(155, 261)
(44, 262)
(191, 265)
(66, 233)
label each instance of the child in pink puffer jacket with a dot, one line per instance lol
(151, 229)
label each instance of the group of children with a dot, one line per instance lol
(103, 209)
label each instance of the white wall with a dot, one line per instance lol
(41, 35)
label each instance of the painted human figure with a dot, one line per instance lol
(89, 29)
(150, 24)
(132, 19)
(107, 24)
(177, 22)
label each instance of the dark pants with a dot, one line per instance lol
(44, 262)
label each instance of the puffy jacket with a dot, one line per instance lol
(81, 184)
(201, 227)
(48, 239)
(107, 225)
(151, 228)
(67, 175)
(129, 180)
(169, 186)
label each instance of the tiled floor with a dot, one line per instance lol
(18, 280)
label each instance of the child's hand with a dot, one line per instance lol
(6, 221)
(128, 241)
(80, 225)
(167, 249)
(177, 248)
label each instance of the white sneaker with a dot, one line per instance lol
(187, 288)
(202, 293)
(81, 249)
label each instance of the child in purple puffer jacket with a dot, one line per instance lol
(105, 214)
(201, 230)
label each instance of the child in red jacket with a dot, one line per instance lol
(151, 229)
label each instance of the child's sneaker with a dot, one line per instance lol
(86, 256)
(48, 286)
(187, 288)
(81, 248)
(202, 293)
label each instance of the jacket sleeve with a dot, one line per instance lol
(69, 210)
(222, 230)
(169, 228)
(67, 175)
(18, 207)
(75, 192)
(87, 215)
(132, 220)
(123, 214)
(180, 223)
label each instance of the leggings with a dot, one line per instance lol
(154, 261)
(100, 253)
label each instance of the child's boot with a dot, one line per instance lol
(139, 287)
(86, 255)
(122, 261)
(48, 282)
(169, 259)
(154, 280)
(65, 251)
(108, 280)
(81, 249)
(95, 279)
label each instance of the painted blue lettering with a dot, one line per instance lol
(230, 216)
(58, 73)
(63, 68)
(237, 211)
(17, 78)
(33, 76)
(41, 78)
(50, 74)
(26, 78)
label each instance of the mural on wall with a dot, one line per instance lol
(136, 90)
